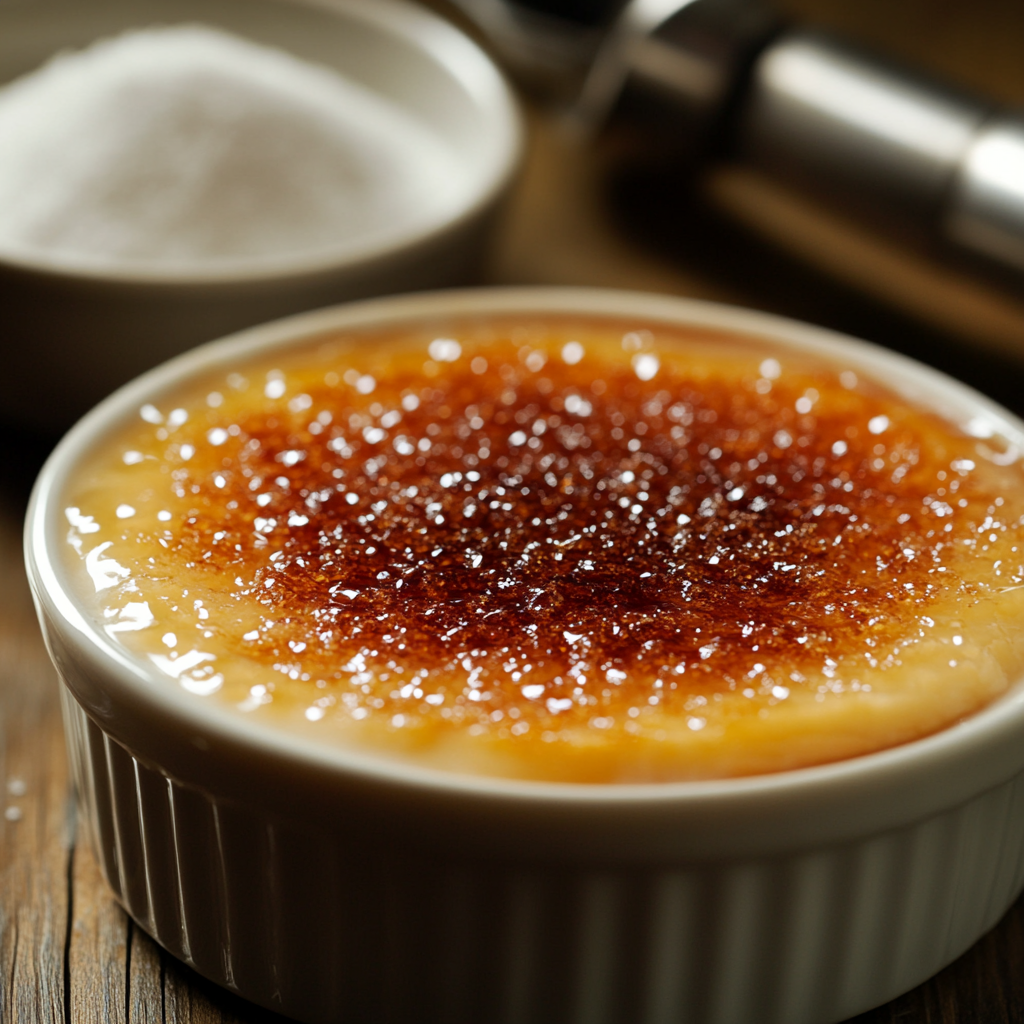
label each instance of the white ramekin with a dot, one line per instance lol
(333, 886)
(74, 331)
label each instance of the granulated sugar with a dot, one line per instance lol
(185, 145)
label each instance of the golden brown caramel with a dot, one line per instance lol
(567, 550)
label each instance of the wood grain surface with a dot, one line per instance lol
(69, 954)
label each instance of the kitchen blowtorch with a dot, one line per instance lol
(711, 78)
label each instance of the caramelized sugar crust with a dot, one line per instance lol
(600, 552)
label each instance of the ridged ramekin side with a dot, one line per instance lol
(328, 925)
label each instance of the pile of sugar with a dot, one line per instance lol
(186, 145)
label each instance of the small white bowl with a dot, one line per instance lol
(75, 332)
(330, 885)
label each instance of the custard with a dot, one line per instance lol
(561, 549)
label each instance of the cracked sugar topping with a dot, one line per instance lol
(565, 549)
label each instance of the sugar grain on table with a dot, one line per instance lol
(185, 145)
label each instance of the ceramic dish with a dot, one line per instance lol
(330, 885)
(74, 333)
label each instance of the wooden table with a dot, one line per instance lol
(69, 954)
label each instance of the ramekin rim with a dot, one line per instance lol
(973, 731)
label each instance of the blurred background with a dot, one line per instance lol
(590, 209)
(586, 213)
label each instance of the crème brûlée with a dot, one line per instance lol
(555, 548)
